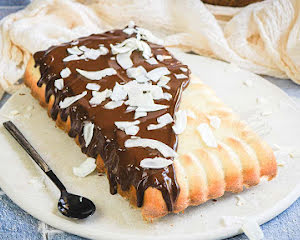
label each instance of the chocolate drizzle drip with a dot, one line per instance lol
(122, 164)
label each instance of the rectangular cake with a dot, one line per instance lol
(163, 138)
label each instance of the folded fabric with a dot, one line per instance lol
(263, 37)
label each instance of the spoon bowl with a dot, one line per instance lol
(74, 206)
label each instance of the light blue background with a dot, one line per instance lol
(17, 224)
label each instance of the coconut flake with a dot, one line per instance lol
(215, 121)
(93, 86)
(113, 104)
(183, 69)
(180, 122)
(155, 163)
(167, 96)
(180, 76)
(73, 58)
(59, 84)
(130, 45)
(136, 72)
(156, 92)
(160, 58)
(131, 24)
(99, 97)
(207, 135)
(130, 109)
(164, 149)
(152, 61)
(130, 128)
(163, 57)
(157, 73)
(119, 93)
(163, 81)
(124, 60)
(153, 108)
(140, 114)
(124, 124)
(70, 100)
(66, 72)
(148, 36)
(74, 51)
(162, 121)
(240, 200)
(85, 168)
(129, 31)
(248, 83)
(92, 54)
(88, 132)
(252, 230)
(97, 75)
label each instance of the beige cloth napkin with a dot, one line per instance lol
(263, 38)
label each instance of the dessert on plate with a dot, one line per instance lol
(163, 138)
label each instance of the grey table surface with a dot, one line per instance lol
(17, 224)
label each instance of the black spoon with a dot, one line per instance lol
(70, 205)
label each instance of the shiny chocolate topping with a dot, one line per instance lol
(122, 163)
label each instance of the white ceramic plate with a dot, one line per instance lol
(115, 219)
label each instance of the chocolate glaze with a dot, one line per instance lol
(122, 164)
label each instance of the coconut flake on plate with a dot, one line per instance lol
(88, 132)
(155, 163)
(59, 84)
(66, 72)
(240, 200)
(248, 82)
(214, 121)
(207, 135)
(97, 75)
(180, 122)
(162, 121)
(164, 149)
(113, 104)
(119, 93)
(74, 51)
(180, 76)
(152, 61)
(85, 168)
(93, 86)
(70, 100)
(252, 230)
(157, 73)
(99, 97)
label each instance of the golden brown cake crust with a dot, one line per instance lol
(231, 3)
(202, 172)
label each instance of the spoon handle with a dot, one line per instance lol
(15, 132)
